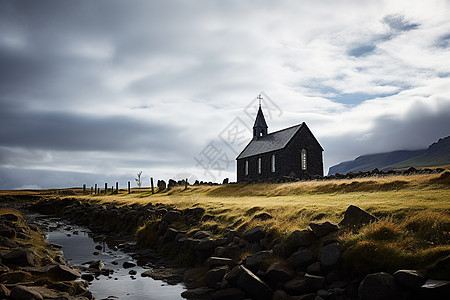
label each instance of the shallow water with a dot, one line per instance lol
(78, 249)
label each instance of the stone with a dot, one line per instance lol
(322, 229)
(4, 291)
(314, 268)
(233, 293)
(300, 238)
(315, 282)
(87, 277)
(198, 293)
(7, 232)
(435, 289)
(21, 292)
(296, 286)
(128, 264)
(410, 278)
(21, 257)
(301, 258)
(14, 277)
(63, 273)
(214, 277)
(214, 262)
(97, 265)
(161, 185)
(329, 255)
(172, 216)
(132, 272)
(206, 244)
(377, 286)
(7, 243)
(279, 272)
(262, 216)
(252, 285)
(253, 261)
(255, 234)
(202, 234)
(10, 217)
(280, 295)
(232, 276)
(170, 235)
(355, 216)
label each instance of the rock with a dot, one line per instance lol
(87, 277)
(262, 217)
(63, 273)
(253, 261)
(252, 285)
(233, 293)
(435, 289)
(202, 234)
(128, 264)
(301, 258)
(329, 255)
(315, 282)
(322, 229)
(279, 272)
(170, 235)
(7, 243)
(206, 244)
(10, 217)
(296, 287)
(255, 234)
(214, 277)
(280, 295)
(4, 291)
(172, 216)
(314, 268)
(21, 292)
(97, 265)
(410, 278)
(15, 277)
(232, 276)
(377, 286)
(161, 185)
(300, 238)
(21, 257)
(355, 216)
(198, 293)
(214, 262)
(99, 247)
(132, 272)
(7, 232)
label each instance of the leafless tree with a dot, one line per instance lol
(138, 179)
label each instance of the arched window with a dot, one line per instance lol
(273, 163)
(304, 159)
(259, 165)
(246, 167)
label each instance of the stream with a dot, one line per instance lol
(79, 248)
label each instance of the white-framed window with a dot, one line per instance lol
(259, 165)
(304, 159)
(246, 167)
(273, 163)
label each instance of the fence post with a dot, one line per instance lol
(129, 189)
(117, 187)
(84, 189)
(92, 190)
(95, 191)
(151, 182)
(185, 184)
(106, 188)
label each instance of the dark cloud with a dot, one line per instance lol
(361, 50)
(399, 23)
(443, 41)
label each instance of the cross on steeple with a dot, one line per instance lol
(259, 98)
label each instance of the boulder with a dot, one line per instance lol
(322, 229)
(10, 217)
(206, 244)
(262, 216)
(214, 262)
(4, 291)
(280, 295)
(435, 289)
(198, 293)
(296, 286)
(300, 238)
(255, 234)
(253, 261)
(252, 285)
(355, 216)
(22, 292)
(128, 264)
(233, 293)
(279, 272)
(170, 235)
(214, 277)
(7, 232)
(96, 265)
(301, 258)
(161, 185)
(14, 277)
(315, 282)
(172, 216)
(314, 268)
(63, 273)
(329, 255)
(410, 278)
(21, 257)
(232, 276)
(377, 286)
(202, 234)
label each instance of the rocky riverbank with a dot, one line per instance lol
(30, 267)
(308, 264)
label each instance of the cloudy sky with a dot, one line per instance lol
(96, 91)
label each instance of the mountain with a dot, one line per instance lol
(437, 154)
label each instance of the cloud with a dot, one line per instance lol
(399, 23)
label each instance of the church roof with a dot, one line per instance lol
(270, 142)
(260, 120)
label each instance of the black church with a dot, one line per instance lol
(293, 152)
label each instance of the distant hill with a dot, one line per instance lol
(437, 154)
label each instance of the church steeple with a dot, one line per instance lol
(260, 127)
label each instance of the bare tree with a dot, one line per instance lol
(138, 179)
